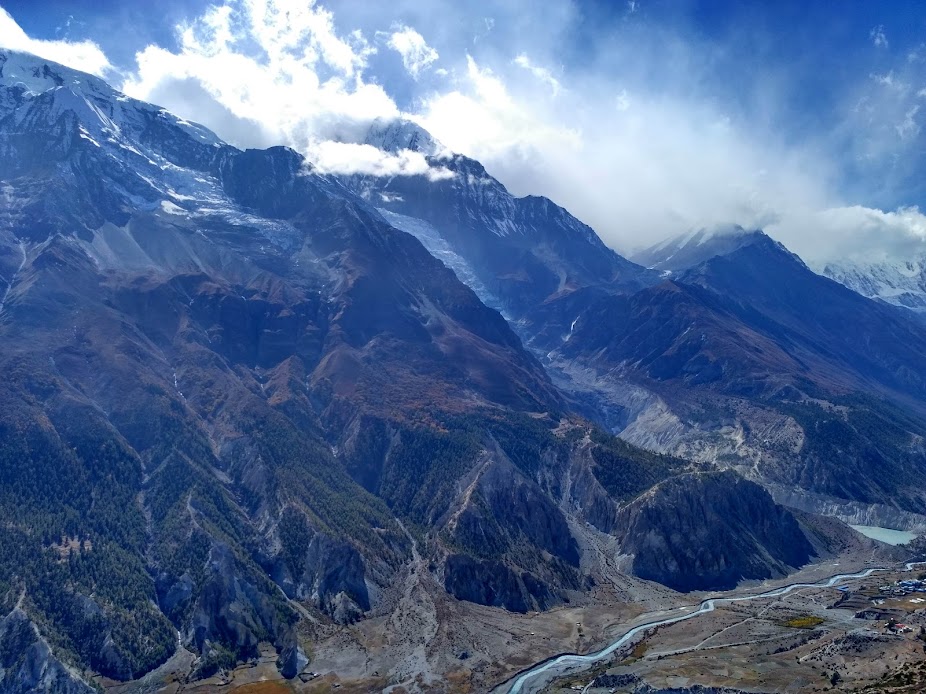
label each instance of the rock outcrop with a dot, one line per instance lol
(708, 531)
(493, 583)
(27, 665)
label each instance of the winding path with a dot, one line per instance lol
(542, 673)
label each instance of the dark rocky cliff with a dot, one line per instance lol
(708, 531)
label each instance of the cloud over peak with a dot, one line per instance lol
(348, 158)
(80, 55)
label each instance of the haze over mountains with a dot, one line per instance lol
(241, 395)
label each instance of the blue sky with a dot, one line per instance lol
(644, 118)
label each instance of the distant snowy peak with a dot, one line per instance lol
(398, 134)
(698, 246)
(105, 113)
(898, 282)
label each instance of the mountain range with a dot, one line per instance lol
(718, 345)
(241, 396)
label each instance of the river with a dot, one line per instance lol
(540, 675)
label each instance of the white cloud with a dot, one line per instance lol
(858, 233)
(80, 55)
(416, 54)
(909, 127)
(541, 73)
(263, 59)
(482, 119)
(878, 37)
(890, 81)
(263, 73)
(884, 121)
(350, 158)
(622, 103)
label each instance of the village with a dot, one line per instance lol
(900, 589)
(899, 605)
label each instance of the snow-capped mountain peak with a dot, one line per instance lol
(37, 75)
(399, 134)
(695, 247)
(103, 111)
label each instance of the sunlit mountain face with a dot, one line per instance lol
(343, 350)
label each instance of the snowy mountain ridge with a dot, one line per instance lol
(898, 282)
(697, 246)
(106, 111)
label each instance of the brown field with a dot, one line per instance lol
(269, 687)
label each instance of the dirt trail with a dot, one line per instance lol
(12, 281)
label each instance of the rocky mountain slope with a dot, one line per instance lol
(835, 376)
(27, 662)
(833, 337)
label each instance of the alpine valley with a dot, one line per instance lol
(412, 433)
